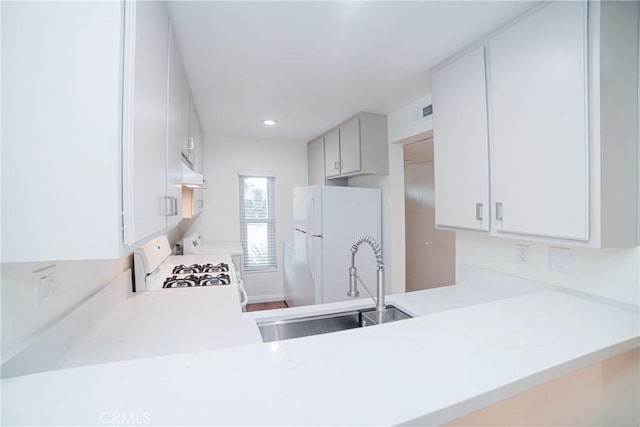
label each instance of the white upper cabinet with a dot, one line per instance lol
(315, 161)
(149, 204)
(101, 133)
(332, 153)
(538, 123)
(350, 146)
(357, 147)
(175, 131)
(195, 134)
(61, 130)
(562, 108)
(461, 150)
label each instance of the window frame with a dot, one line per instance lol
(270, 222)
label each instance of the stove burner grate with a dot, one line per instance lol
(192, 280)
(197, 268)
(182, 282)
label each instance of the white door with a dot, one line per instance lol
(539, 123)
(350, 146)
(461, 151)
(150, 119)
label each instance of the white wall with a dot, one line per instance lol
(610, 273)
(225, 156)
(76, 281)
(400, 125)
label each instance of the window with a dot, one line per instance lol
(257, 222)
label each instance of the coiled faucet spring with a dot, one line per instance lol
(365, 238)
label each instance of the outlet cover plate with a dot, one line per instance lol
(522, 254)
(560, 260)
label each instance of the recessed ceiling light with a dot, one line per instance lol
(269, 122)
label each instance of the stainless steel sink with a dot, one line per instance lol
(284, 329)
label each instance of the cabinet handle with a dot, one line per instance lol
(190, 144)
(499, 211)
(336, 165)
(479, 211)
(168, 206)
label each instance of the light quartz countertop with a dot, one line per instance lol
(470, 345)
(168, 321)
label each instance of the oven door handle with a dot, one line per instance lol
(244, 298)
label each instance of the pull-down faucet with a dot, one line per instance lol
(353, 274)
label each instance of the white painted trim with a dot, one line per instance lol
(257, 174)
(412, 139)
(265, 298)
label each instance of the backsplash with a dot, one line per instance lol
(76, 280)
(610, 273)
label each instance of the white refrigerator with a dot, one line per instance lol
(327, 221)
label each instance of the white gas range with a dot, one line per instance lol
(156, 269)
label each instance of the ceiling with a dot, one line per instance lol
(311, 65)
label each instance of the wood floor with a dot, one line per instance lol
(266, 306)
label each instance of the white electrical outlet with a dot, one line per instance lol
(44, 284)
(522, 254)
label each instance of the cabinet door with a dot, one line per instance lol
(539, 123)
(174, 134)
(461, 151)
(188, 145)
(150, 119)
(61, 120)
(315, 161)
(350, 146)
(332, 153)
(196, 133)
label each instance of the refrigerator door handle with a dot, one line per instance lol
(312, 203)
(306, 242)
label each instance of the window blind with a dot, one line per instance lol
(257, 222)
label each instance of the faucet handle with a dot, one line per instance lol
(353, 283)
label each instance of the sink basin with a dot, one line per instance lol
(284, 329)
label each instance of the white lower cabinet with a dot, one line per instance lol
(561, 124)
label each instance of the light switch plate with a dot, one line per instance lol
(560, 260)
(44, 284)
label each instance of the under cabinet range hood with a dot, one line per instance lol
(191, 178)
